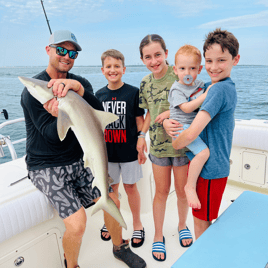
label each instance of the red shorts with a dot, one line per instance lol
(210, 194)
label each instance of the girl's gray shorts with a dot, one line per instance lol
(169, 161)
(131, 172)
(68, 188)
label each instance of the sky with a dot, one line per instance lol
(121, 24)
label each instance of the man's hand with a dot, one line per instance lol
(62, 86)
(52, 107)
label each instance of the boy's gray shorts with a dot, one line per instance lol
(169, 161)
(131, 172)
(68, 188)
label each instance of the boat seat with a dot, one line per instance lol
(238, 238)
(23, 213)
(251, 134)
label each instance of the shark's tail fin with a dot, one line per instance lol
(110, 207)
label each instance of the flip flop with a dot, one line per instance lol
(104, 230)
(185, 234)
(160, 248)
(139, 234)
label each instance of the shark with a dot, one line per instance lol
(88, 125)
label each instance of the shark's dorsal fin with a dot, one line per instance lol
(105, 118)
(63, 124)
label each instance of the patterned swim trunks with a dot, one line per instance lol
(68, 188)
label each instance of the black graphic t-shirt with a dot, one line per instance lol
(44, 149)
(121, 135)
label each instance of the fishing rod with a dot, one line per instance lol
(46, 17)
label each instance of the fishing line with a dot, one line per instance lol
(46, 17)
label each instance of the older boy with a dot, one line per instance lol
(121, 136)
(214, 123)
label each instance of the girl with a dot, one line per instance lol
(154, 91)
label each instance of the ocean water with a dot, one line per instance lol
(251, 84)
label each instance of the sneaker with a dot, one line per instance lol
(124, 254)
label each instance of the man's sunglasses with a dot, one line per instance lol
(61, 51)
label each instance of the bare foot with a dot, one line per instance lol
(159, 256)
(192, 197)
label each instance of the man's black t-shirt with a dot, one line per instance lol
(43, 147)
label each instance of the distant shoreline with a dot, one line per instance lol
(137, 65)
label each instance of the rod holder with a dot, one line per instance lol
(4, 111)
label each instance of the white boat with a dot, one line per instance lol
(31, 231)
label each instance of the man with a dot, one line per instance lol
(56, 168)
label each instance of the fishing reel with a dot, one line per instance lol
(4, 111)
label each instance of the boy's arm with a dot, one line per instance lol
(139, 122)
(187, 136)
(192, 105)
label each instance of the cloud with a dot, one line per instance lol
(14, 11)
(263, 2)
(92, 11)
(23, 12)
(189, 8)
(246, 21)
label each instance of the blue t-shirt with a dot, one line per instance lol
(220, 103)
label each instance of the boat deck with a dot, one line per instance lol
(248, 167)
(96, 253)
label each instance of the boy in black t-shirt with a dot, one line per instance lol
(121, 136)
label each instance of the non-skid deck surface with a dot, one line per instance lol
(96, 253)
(239, 237)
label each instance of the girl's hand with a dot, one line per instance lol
(62, 86)
(159, 119)
(141, 147)
(172, 127)
(141, 158)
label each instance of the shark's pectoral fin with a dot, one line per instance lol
(63, 124)
(105, 118)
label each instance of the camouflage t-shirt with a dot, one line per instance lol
(154, 97)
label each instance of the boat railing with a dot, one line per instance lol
(6, 141)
